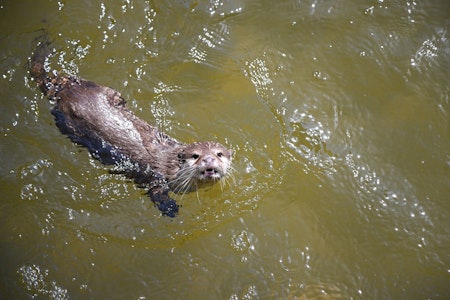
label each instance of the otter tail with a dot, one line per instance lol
(37, 65)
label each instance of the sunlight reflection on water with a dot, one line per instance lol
(337, 112)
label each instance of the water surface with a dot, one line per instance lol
(338, 113)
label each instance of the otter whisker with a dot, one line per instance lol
(198, 198)
(183, 183)
(222, 183)
(228, 179)
(230, 175)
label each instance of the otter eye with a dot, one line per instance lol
(195, 156)
(219, 154)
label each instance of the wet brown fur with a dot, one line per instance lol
(97, 117)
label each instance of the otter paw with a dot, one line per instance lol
(168, 208)
(166, 205)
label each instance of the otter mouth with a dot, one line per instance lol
(210, 173)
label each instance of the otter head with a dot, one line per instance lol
(201, 164)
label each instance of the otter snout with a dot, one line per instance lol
(208, 160)
(209, 167)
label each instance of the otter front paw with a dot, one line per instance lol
(165, 204)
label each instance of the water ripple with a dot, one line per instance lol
(37, 283)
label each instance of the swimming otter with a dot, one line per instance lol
(97, 118)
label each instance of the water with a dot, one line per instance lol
(338, 112)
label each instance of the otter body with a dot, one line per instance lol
(97, 118)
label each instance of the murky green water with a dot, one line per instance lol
(338, 112)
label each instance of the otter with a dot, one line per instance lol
(97, 118)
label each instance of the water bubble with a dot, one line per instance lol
(35, 281)
(369, 10)
(242, 241)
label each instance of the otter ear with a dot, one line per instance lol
(230, 152)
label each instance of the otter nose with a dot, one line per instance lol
(208, 160)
